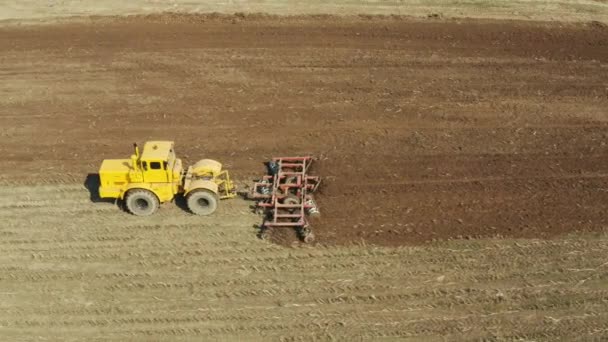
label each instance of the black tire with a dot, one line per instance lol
(141, 202)
(202, 202)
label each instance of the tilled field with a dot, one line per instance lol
(424, 130)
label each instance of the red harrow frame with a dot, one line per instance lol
(285, 195)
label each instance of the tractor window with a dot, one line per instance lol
(144, 165)
(155, 165)
(164, 165)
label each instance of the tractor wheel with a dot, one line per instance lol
(202, 202)
(141, 202)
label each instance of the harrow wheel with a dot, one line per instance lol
(258, 210)
(307, 235)
(310, 238)
(264, 233)
(291, 180)
(291, 199)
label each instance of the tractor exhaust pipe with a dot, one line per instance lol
(136, 150)
(135, 157)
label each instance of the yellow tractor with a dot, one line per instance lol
(156, 176)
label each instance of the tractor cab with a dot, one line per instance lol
(157, 162)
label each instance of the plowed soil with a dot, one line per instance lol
(424, 129)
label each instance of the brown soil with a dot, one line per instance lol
(423, 130)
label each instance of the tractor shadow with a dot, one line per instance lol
(92, 183)
(180, 202)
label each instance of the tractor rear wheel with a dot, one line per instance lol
(202, 202)
(141, 202)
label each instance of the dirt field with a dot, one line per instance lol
(425, 130)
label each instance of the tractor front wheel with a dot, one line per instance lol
(141, 202)
(202, 202)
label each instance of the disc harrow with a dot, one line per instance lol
(285, 196)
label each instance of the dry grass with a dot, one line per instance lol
(74, 270)
(565, 10)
